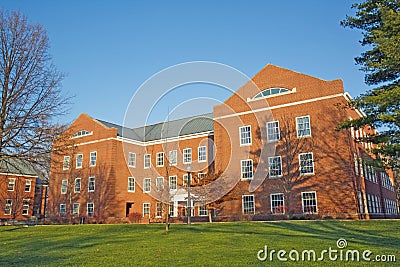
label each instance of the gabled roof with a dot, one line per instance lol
(191, 125)
(17, 166)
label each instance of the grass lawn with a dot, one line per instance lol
(219, 244)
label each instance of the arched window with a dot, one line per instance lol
(271, 91)
(81, 133)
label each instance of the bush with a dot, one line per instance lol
(135, 217)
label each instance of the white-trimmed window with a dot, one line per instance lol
(275, 166)
(91, 184)
(172, 209)
(25, 206)
(173, 185)
(159, 209)
(273, 133)
(79, 160)
(203, 211)
(356, 167)
(202, 153)
(309, 202)
(185, 180)
(201, 175)
(93, 158)
(90, 209)
(173, 157)
(63, 209)
(75, 209)
(306, 163)
(66, 163)
(147, 161)
(77, 186)
(246, 169)
(64, 186)
(159, 183)
(146, 209)
(146, 185)
(303, 126)
(248, 204)
(187, 155)
(28, 185)
(277, 203)
(132, 159)
(11, 184)
(160, 159)
(8, 207)
(131, 184)
(245, 135)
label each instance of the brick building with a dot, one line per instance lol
(21, 191)
(271, 150)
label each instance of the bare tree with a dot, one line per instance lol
(31, 96)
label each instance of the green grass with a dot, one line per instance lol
(222, 244)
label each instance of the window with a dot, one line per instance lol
(90, 209)
(187, 155)
(201, 175)
(172, 209)
(146, 209)
(277, 203)
(159, 209)
(159, 183)
(185, 180)
(273, 133)
(147, 161)
(245, 135)
(64, 186)
(131, 184)
(66, 163)
(25, 207)
(309, 202)
(92, 181)
(28, 184)
(246, 169)
(173, 182)
(271, 91)
(75, 209)
(160, 159)
(202, 154)
(8, 207)
(248, 204)
(82, 133)
(63, 209)
(93, 158)
(146, 185)
(11, 184)
(79, 160)
(356, 170)
(303, 126)
(203, 211)
(77, 186)
(306, 163)
(275, 166)
(173, 157)
(132, 159)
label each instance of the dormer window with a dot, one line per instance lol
(82, 133)
(270, 92)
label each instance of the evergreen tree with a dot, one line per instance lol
(379, 21)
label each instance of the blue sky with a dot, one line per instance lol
(108, 49)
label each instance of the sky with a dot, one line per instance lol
(109, 49)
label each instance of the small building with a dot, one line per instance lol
(21, 195)
(270, 151)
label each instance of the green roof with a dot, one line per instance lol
(186, 126)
